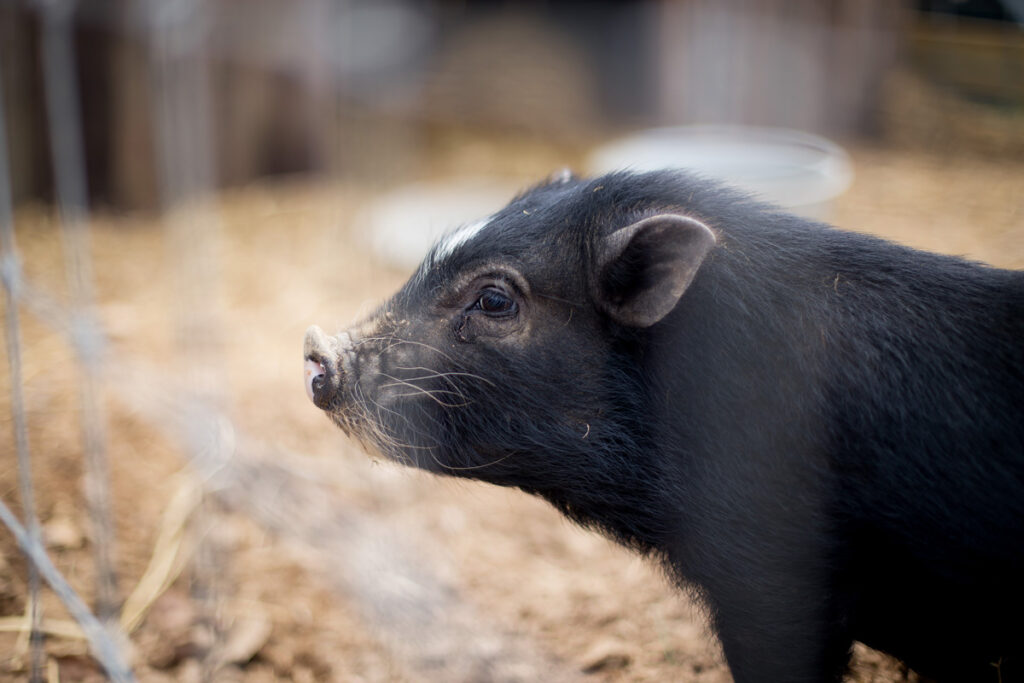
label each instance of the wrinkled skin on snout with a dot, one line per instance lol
(502, 357)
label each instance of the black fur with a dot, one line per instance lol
(824, 438)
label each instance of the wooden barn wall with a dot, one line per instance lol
(815, 65)
(283, 102)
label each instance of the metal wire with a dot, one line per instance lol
(69, 172)
(10, 273)
(181, 91)
(103, 645)
(420, 615)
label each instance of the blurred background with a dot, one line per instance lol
(186, 185)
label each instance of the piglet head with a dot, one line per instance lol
(510, 355)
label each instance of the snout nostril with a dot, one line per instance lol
(315, 375)
(324, 373)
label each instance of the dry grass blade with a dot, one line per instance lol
(60, 628)
(52, 671)
(166, 562)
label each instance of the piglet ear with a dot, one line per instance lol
(644, 268)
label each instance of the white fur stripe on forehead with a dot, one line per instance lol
(452, 241)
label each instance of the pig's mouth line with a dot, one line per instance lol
(470, 468)
(354, 417)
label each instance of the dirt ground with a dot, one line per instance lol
(241, 598)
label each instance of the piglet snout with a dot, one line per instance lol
(322, 367)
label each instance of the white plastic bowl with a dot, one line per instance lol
(800, 172)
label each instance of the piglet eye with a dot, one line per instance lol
(495, 302)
